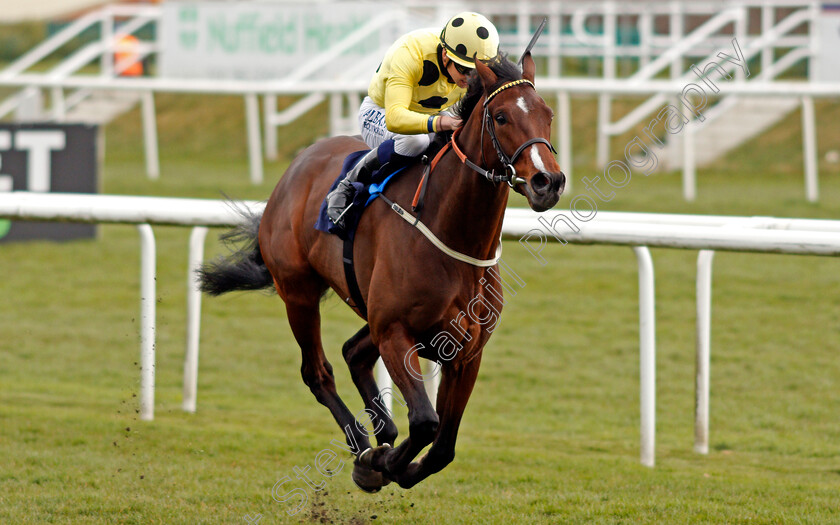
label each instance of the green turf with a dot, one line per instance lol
(551, 434)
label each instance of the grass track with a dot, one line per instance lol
(551, 432)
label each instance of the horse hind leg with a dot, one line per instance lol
(305, 320)
(361, 354)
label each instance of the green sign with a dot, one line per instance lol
(262, 40)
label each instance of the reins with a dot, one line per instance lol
(490, 175)
(415, 221)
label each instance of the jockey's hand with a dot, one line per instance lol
(448, 123)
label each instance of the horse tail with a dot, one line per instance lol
(244, 268)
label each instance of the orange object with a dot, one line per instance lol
(127, 57)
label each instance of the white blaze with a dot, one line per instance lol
(522, 105)
(536, 159)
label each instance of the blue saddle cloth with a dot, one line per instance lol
(364, 195)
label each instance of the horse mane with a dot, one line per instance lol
(505, 71)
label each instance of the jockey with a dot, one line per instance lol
(422, 74)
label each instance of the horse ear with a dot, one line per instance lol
(528, 67)
(488, 78)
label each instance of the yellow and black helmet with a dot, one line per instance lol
(470, 34)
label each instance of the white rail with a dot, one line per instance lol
(636, 230)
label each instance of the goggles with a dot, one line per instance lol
(464, 70)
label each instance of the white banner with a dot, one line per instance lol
(828, 58)
(260, 41)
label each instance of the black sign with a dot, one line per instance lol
(47, 158)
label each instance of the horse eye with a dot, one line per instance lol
(500, 118)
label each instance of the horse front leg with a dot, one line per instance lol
(455, 389)
(422, 418)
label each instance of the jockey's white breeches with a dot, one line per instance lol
(374, 131)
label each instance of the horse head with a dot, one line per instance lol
(516, 126)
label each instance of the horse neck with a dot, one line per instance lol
(470, 208)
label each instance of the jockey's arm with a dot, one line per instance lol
(399, 89)
(400, 119)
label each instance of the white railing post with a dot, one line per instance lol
(610, 29)
(336, 114)
(555, 39)
(106, 61)
(647, 356)
(432, 384)
(605, 100)
(814, 12)
(677, 29)
(196, 256)
(270, 128)
(354, 101)
(150, 137)
(564, 135)
(252, 123)
(703, 351)
(689, 171)
(809, 149)
(59, 109)
(645, 36)
(741, 35)
(147, 322)
(603, 145)
(523, 23)
(383, 381)
(767, 20)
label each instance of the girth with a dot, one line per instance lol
(350, 277)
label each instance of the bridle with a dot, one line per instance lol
(509, 176)
(488, 124)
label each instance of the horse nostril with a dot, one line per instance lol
(540, 182)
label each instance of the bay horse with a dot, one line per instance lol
(412, 289)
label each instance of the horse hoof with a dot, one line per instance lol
(368, 479)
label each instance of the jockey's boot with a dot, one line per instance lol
(339, 199)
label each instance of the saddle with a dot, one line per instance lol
(365, 194)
